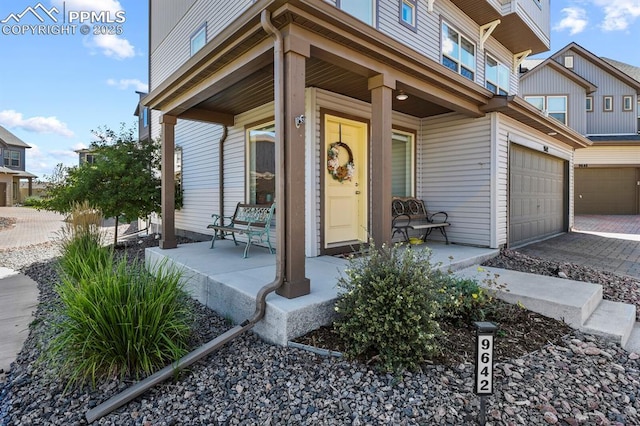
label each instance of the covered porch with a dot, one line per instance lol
(221, 279)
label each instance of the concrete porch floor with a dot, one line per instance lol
(221, 279)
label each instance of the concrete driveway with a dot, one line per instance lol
(32, 227)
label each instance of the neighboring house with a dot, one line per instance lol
(142, 113)
(597, 97)
(13, 169)
(420, 96)
(85, 155)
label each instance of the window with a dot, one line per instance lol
(553, 106)
(627, 103)
(589, 104)
(568, 61)
(11, 158)
(607, 103)
(145, 117)
(199, 39)
(402, 164)
(497, 76)
(458, 53)
(261, 164)
(89, 158)
(408, 13)
(361, 9)
(557, 108)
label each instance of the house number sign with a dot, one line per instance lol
(485, 333)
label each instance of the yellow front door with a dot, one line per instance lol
(345, 188)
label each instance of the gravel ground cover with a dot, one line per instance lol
(579, 380)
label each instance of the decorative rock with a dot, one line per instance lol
(550, 418)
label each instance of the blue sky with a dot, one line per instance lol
(54, 89)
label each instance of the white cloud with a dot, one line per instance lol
(14, 119)
(112, 46)
(618, 14)
(575, 20)
(43, 162)
(126, 83)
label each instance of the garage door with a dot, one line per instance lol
(606, 191)
(538, 195)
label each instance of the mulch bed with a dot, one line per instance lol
(519, 332)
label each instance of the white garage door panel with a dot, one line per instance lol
(537, 192)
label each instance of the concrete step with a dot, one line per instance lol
(633, 343)
(613, 320)
(570, 301)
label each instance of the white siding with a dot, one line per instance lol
(454, 164)
(608, 155)
(200, 181)
(175, 48)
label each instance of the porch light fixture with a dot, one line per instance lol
(401, 96)
(552, 133)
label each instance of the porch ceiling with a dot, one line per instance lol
(257, 89)
(512, 32)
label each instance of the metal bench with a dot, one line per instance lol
(410, 213)
(254, 220)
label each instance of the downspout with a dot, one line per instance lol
(169, 371)
(223, 138)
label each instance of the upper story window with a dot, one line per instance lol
(11, 158)
(90, 158)
(568, 61)
(361, 9)
(627, 103)
(553, 106)
(496, 76)
(145, 117)
(408, 13)
(589, 104)
(458, 53)
(607, 103)
(199, 39)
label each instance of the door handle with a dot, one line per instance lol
(357, 192)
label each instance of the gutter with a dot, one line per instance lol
(170, 371)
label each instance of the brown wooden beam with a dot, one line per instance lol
(381, 87)
(295, 283)
(167, 125)
(199, 114)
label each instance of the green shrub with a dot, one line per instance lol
(463, 300)
(120, 321)
(32, 202)
(389, 305)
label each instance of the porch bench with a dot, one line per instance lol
(254, 220)
(410, 213)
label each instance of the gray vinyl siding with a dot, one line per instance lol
(599, 122)
(200, 181)
(165, 14)
(546, 81)
(455, 174)
(608, 155)
(175, 49)
(537, 16)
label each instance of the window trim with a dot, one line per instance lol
(8, 160)
(589, 104)
(499, 64)
(606, 98)
(414, 152)
(201, 30)
(568, 62)
(469, 40)
(624, 103)
(545, 106)
(258, 125)
(413, 4)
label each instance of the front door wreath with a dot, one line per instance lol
(336, 170)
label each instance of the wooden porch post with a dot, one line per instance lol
(381, 87)
(167, 124)
(295, 283)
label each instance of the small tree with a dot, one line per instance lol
(124, 180)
